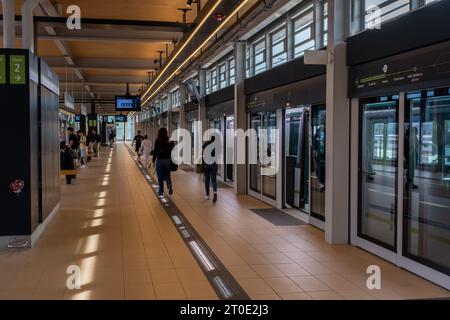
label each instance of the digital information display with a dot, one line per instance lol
(121, 118)
(78, 118)
(406, 71)
(130, 103)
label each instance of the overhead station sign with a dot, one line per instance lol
(17, 72)
(405, 71)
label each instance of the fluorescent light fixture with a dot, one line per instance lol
(224, 22)
(177, 220)
(222, 287)
(201, 255)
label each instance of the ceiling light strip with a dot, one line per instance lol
(198, 49)
(214, 7)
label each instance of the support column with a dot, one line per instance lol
(9, 24)
(240, 115)
(28, 24)
(337, 127)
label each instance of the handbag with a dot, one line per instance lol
(173, 166)
(199, 168)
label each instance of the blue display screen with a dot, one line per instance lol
(78, 118)
(131, 103)
(121, 118)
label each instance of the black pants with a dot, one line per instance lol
(69, 179)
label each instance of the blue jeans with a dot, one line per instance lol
(163, 173)
(210, 171)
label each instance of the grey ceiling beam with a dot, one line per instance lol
(61, 45)
(55, 20)
(103, 63)
(132, 80)
(103, 39)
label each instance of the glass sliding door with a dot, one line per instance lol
(229, 145)
(296, 157)
(255, 169)
(426, 205)
(378, 170)
(269, 179)
(318, 147)
(263, 175)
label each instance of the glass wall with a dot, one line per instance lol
(378, 170)
(426, 200)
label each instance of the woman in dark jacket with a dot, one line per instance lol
(162, 155)
(66, 160)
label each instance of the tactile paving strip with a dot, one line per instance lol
(223, 282)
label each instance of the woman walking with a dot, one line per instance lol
(146, 150)
(210, 171)
(162, 154)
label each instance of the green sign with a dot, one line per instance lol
(2, 69)
(17, 69)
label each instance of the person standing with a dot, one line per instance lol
(66, 160)
(93, 140)
(74, 144)
(73, 139)
(83, 148)
(210, 170)
(162, 156)
(112, 136)
(137, 142)
(146, 151)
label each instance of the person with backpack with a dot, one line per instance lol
(210, 171)
(162, 157)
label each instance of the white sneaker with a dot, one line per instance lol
(206, 197)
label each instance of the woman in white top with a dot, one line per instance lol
(83, 148)
(146, 150)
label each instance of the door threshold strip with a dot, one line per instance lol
(222, 281)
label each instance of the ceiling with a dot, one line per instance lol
(117, 45)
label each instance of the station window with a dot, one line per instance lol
(208, 82)
(223, 75)
(304, 32)
(325, 23)
(379, 11)
(260, 55)
(247, 63)
(231, 71)
(213, 80)
(278, 43)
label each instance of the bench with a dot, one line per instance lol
(69, 172)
